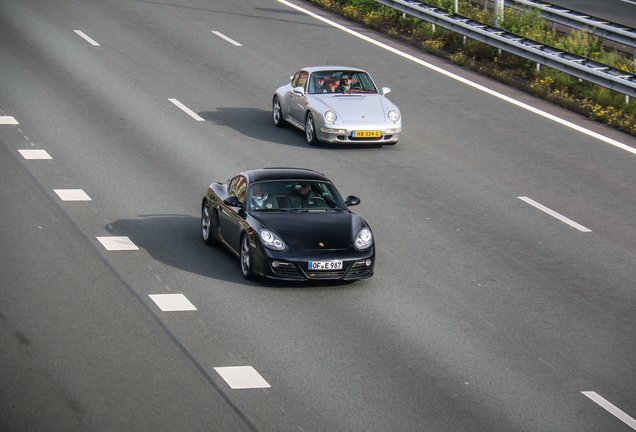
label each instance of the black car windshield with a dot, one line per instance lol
(341, 82)
(294, 195)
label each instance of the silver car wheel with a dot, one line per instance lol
(246, 257)
(278, 116)
(310, 130)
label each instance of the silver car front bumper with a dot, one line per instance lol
(389, 134)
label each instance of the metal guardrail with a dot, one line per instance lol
(614, 32)
(578, 66)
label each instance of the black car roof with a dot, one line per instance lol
(268, 174)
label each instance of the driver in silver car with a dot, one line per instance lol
(346, 83)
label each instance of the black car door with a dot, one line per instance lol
(230, 220)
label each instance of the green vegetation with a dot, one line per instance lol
(596, 102)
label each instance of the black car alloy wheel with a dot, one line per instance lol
(246, 257)
(207, 224)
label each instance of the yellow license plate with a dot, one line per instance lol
(367, 134)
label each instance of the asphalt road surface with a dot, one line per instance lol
(617, 11)
(504, 297)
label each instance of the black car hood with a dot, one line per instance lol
(310, 229)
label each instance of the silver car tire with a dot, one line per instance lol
(310, 130)
(207, 224)
(278, 113)
(246, 257)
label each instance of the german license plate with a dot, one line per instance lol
(325, 265)
(367, 134)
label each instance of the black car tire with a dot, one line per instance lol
(246, 257)
(310, 130)
(278, 113)
(207, 224)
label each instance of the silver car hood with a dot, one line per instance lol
(355, 107)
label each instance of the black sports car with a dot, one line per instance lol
(288, 223)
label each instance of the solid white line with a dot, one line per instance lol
(86, 38)
(622, 416)
(468, 82)
(187, 110)
(555, 214)
(8, 120)
(230, 40)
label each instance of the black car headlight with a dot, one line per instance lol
(393, 115)
(364, 239)
(271, 240)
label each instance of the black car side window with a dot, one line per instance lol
(238, 188)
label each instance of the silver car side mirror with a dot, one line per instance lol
(385, 91)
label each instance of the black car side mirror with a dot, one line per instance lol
(352, 200)
(233, 202)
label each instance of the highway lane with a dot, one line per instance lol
(78, 349)
(484, 314)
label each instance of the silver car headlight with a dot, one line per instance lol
(393, 115)
(330, 116)
(271, 240)
(364, 239)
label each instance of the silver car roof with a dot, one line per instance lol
(312, 69)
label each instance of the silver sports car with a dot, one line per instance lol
(337, 104)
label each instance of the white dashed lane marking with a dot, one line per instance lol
(230, 40)
(86, 38)
(242, 377)
(115, 243)
(72, 195)
(8, 120)
(187, 110)
(35, 154)
(619, 414)
(555, 214)
(172, 302)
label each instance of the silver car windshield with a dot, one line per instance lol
(340, 82)
(294, 195)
